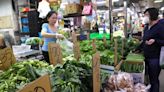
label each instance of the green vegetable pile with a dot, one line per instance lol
(22, 73)
(33, 41)
(72, 77)
(131, 64)
(132, 68)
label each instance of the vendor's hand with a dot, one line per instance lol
(60, 36)
(150, 42)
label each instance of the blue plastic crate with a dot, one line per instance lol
(25, 29)
(24, 20)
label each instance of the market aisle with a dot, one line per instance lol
(162, 81)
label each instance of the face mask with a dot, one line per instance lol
(146, 20)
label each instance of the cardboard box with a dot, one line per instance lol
(40, 85)
(7, 58)
(73, 8)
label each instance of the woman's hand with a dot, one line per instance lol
(150, 42)
(60, 36)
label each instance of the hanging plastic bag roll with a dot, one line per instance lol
(162, 57)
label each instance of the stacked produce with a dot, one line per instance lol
(21, 74)
(86, 49)
(134, 63)
(123, 82)
(33, 41)
(72, 77)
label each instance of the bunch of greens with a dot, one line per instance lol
(22, 73)
(72, 77)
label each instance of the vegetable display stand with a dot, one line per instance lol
(134, 64)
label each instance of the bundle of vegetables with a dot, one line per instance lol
(33, 41)
(22, 73)
(130, 45)
(106, 55)
(72, 77)
(132, 68)
(135, 57)
(134, 63)
(87, 59)
(86, 47)
(63, 32)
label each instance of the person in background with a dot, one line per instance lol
(153, 40)
(49, 33)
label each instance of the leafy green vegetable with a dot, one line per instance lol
(72, 77)
(22, 73)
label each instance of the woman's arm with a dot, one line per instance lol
(48, 35)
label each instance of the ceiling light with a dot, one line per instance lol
(162, 9)
(115, 0)
(158, 1)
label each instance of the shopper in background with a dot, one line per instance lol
(49, 33)
(153, 40)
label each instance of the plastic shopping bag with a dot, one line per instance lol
(66, 45)
(162, 57)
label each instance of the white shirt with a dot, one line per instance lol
(43, 8)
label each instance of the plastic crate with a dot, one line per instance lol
(25, 29)
(24, 20)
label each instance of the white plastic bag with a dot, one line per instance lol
(162, 57)
(141, 88)
(66, 46)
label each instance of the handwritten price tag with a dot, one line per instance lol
(76, 49)
(7, 58)
(55, 53)
(94, 45)
(96, 72)
(104, 40)
(42, 84)
(74, 37)
(115, 51)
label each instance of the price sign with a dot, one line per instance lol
(7, 58)
(123, 45)
(76, 50)
(96, 72)
(55, 54)
(40, 85)
(104, 40)
(115, 51)
(88, 36)
(74, 37)
(94, 45)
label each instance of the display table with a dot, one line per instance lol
(32, 54)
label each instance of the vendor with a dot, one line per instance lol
(2, 42)
(49, 33)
